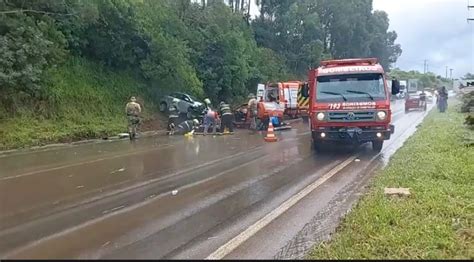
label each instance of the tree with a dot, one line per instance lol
(468, 76)
(207, 48)
(222, 52)
(292, 30)
(28, 47)
(382, 43)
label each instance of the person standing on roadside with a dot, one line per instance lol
(133, 110)
(226, 117)
(443, 99)
(252, 107)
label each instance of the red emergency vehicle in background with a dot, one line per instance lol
(283, 93)
(350, 102)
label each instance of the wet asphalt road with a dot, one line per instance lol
(113, 199)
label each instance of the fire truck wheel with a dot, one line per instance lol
(377, 145)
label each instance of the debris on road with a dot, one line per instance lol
(397, 191)
(357, 160)
(79, 187)
(174, 192)
(150, 196)
(123, 135)
(118, 170)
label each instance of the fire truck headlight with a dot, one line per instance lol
(381, 115)
(320, 116)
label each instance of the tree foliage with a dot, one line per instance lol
(428, 80)
(468, 76)
(306, 31)
(207, 48)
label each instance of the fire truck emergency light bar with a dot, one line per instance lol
(357, 61)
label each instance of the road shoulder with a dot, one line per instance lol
(435, 221)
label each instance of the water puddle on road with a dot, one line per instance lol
(405, 127)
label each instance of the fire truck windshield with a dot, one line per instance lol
(353, 87)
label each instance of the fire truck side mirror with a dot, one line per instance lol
(395, 87)
(305, 90)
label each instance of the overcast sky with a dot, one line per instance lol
(435, 30)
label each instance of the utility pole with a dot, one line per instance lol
(425, 66)
(446, 72)
(468, 8)
(451, 76)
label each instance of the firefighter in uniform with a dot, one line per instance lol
(173, 116)
(133, 110)
(187, 126)
(226, 117)
(252, 107)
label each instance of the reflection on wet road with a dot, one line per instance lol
(113, 200)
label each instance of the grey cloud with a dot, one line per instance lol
(435, 30)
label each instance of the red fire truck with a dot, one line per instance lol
(350, 102)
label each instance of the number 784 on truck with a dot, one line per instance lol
(350, 103)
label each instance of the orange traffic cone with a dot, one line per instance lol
(270, 137)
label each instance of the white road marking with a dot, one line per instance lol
(113, 209)
(230, 246)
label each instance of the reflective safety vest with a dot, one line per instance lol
(225, 110)
(186, 126)
(173, 111)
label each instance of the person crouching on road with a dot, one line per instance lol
(210, 117)
(133, 110)
(186, 127)
(226, 116)
(173, 116)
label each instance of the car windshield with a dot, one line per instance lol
(193, 98)
(354, 87)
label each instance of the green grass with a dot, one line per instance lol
(436, 221)
(87, 101)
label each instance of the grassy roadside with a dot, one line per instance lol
(436, 221)
(89, 101)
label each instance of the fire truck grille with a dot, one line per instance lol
(351, 116)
